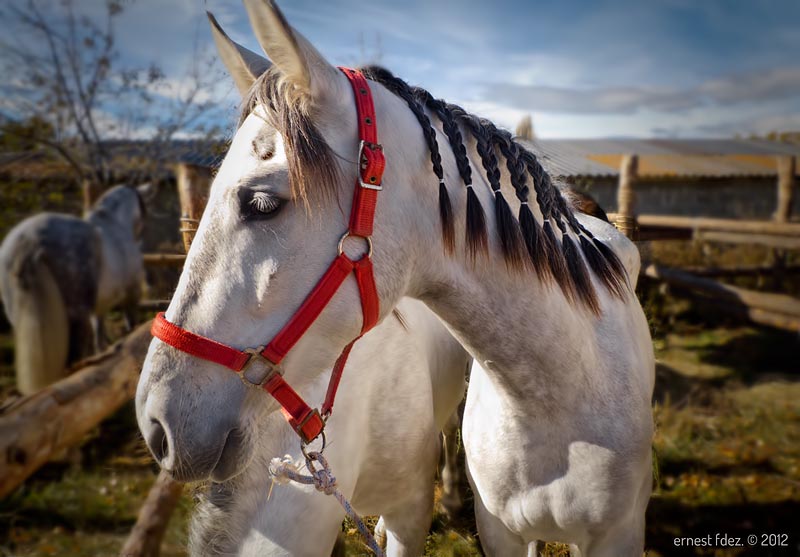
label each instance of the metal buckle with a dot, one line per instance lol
(256, 354)
(361, 182)
(346, 235)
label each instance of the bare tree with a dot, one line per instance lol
(68, 78)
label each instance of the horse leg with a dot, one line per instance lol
(451, 476)
(407, 528)
(625, 538)
(99, 333)
(496, 539)
(340, 546)
(408, 523)
(80, 339)
(130, 310)
(536, 549)
(380, 534)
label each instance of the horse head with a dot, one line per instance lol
(277, 211)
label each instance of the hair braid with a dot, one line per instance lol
(404, 91)
(540, 255)
(511, 240)
(603, 261)
(477, 239)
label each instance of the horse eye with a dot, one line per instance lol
(260, 204)
(265, 153)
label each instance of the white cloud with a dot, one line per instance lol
(780, 83)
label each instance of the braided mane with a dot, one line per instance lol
(525, 243)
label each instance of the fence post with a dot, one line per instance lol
(787, 168)
(90, 191)
(626, 196)
(193, 185)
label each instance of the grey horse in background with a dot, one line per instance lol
(60, 274)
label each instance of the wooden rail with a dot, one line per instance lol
(742, 271)
(730, 231)
(164, 259)
(774, 310)
(721, 225)
(745, 238)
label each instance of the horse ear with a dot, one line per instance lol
(244, 65)
(301, 63)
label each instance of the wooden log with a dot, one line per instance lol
(39, 426)
(722, 225)
(164, 259)
(626, 197)
(787, 168)
(194, 183)
(151, 524)
(775, 310)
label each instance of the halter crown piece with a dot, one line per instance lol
(309, 422)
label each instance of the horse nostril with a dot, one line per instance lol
(157, 441)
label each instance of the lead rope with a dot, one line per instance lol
(285, 470)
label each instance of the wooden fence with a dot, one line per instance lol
(779, 234)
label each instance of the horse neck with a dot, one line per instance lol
(117, 223)
(511, 322)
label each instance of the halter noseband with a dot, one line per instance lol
(309, 422)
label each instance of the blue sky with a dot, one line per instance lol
(707, 68)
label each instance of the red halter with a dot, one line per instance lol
(308, 422)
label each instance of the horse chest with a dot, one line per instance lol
(543, 475)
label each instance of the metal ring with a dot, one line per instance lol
(324, 440)
(346, 235)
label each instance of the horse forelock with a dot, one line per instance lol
(313, 170)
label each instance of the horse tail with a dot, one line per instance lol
(38, 315)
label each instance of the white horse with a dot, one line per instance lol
(61, 274)
(543, 303)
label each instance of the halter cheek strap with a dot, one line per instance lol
(309, 422)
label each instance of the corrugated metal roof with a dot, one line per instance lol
(716, 158)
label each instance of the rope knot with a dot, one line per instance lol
(324, 480)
